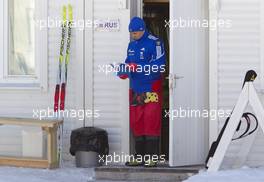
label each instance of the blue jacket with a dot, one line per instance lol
(148, 53)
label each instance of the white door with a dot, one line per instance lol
(106, 94)
(188, 84)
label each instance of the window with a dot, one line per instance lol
(21, 38)
(24, 45)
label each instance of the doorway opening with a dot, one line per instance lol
(155, 12)
(189, 48)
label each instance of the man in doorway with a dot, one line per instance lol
(144, 66)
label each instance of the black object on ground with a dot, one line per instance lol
(89, 139)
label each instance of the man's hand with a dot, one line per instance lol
(123, 77)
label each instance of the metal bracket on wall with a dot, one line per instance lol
(215, 5)
(122, 4)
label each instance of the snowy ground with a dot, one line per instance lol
(244, 174)
(72, 174)
(66, 174)
(69, 173)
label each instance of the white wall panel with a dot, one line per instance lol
(239, 49)
(109, 93)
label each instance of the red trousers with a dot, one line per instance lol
(146, 119)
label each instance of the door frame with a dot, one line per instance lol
(88, 57)
(171, 80)
(213, 79)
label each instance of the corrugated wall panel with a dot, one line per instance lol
(107, 88)
(238, 51)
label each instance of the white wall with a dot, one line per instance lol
(109, 94)
(239, 48)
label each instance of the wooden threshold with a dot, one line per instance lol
(164, 174)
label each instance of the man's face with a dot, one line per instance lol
(137, 35)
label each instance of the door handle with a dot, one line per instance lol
(172, 80)
(178, 77)
(175, 77)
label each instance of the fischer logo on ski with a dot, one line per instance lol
(66, 62)
(60, 89)
(64, 59)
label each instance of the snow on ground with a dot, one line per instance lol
(66, 174)
(72, 174)
(244, 174)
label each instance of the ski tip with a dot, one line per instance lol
(64, 12)
(70, 12)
